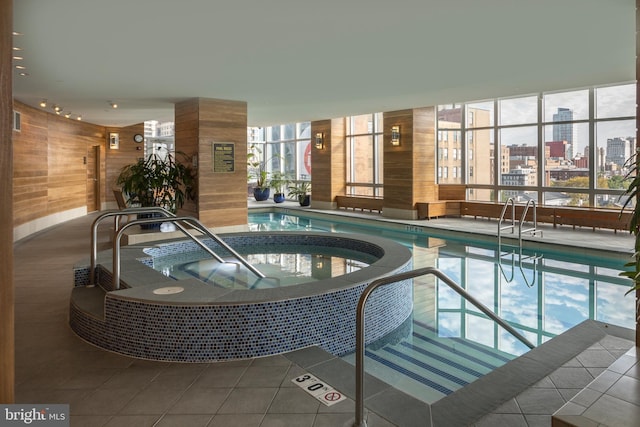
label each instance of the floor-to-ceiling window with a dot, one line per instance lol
(565, 148)
(284, 148)
(364, 155)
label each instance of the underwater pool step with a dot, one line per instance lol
(89, 299)
(429, 366)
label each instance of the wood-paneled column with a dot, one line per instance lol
(637, 144)
(410, 167)
(328, 173)
(222, 195)
(7, 292)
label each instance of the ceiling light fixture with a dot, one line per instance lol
(23, 74)
(43, 103)
(57, 109)
(16, 33)
(17, 49)
(67, 115)
(113, 104)
(18, 58)
(79, 117)
(21, 67)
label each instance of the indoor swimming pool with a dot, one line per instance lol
(447, 343)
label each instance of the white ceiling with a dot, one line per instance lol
(295, 60)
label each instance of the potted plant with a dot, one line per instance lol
(278, 182)
(633, 198)
(258, 172)
(158, 180)
(302, 192)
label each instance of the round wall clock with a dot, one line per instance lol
(138, 138)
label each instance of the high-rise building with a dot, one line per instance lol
(563, 131)
(619, 150)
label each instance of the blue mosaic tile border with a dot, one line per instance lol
(197, 332)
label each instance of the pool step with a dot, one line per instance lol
(429, 366)
(89, 299)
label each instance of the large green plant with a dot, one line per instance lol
(158, 181)
(632, 193)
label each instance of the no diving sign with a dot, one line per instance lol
(321, 391)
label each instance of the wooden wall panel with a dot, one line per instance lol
(409, 169)
(7, 294)
(49, 163)
(222, 197)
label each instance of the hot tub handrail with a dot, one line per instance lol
(176, 220)
(116, 214)
(359, 401)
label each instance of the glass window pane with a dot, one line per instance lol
(615, 143)
(520, 147)
(273, 133)
(304, 130)
(358, 125)
(289, 159)
(362, 159)
(289, 131)
(563, 106)
(516, 111)
(480, 114)
(304, 160)
(449, 116)
(450, 156)
(616, 101)
(479, 156)
(566, 163)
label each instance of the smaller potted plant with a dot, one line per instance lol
(302, 192)
(278, 182)
(258, 172)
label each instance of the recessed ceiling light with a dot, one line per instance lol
(16, 33)
(67, 115)
(21, 67)
(57, 108)
(15, 48)
(23, 74)
(79, 117)
(18, 58)
(43, 103)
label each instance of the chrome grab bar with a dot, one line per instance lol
(501, 220)
(176, 220)
(116, 214)
(533, 230)
(168, 217)
(359, 401)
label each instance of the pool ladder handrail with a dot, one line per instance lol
(533, 230)
(168, 217)
(360, 339)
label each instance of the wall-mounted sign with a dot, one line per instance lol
(223, 157)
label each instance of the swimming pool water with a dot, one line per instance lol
(282, 267)
(448, 342)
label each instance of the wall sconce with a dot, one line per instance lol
(114, 140)
(395, 135)
(319, 140)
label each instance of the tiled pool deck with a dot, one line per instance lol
(106, 389)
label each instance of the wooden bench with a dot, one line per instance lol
(436, 208)
(561, 215)
(359, 202)
(593, 217)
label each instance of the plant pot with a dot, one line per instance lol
(153, 225)
(304, 200)
(261, 194)
(278, 197)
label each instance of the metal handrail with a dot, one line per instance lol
(116, 214)
(513, 217)
(360, 421)
(534, 230)
(176, 220)
(168, 217)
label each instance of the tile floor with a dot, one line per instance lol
(106, 389)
